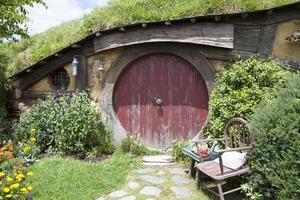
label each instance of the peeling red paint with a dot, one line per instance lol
(177, 83)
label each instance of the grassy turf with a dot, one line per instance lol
(17, 56)
(62, 178)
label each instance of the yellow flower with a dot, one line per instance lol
(2, 174)
(24, 191)
(29, 174)
(14, 186)
(29, 188)
(1, 153)
(6, 190)
(33, 130)
(26, 149)
(9, 179)
(11, 147)
(33, 139)
(19, 177)
(8, 196)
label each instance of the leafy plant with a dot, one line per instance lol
(69, 124)
(3, 89)
(13, 15)
(177, 151)
(132, 146)
(241, 86)
(275, 158)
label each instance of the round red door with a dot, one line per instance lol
(161, 97)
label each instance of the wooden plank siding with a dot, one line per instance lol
(217, 35)
(247, 38)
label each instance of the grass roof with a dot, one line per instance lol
(16, 56)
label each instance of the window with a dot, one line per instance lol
(60, 79)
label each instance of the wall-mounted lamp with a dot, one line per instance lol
(75, 64)
(101, 69)
(101, 66)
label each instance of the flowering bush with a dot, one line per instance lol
(13, 184)
(69, 124)
(13, 173)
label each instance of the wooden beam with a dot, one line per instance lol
(218, 35)
(218, 18)
(122, 29)
(42, 62)
(75, 46)
(98, 34)
(244, 16)
(58, 55)
(267, 39)
(81, 78)
(270, 12)
(193, 20)
(247, 38)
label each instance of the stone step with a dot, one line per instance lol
(158, 159)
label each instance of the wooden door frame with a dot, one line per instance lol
(190, 53)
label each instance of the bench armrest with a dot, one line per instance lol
(234, 149)
(209, 140)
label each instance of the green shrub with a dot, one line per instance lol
(275, 158)
(71, 120)
(3, 113)
(177, 151)
(134, 147)
(240, 87)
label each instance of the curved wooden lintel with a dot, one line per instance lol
(216, 35)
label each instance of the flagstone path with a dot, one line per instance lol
(157, 182)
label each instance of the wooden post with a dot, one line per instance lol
(80, 80)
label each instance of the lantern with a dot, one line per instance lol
(75, 64)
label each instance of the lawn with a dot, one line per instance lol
(64, 178)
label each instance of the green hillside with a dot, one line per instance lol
(16, 56)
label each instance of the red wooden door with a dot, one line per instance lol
(161, 97)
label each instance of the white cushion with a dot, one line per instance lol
(233, 160)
